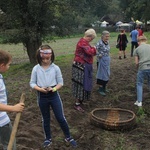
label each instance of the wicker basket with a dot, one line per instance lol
(113, 118)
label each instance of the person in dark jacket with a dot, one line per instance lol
(122, 41)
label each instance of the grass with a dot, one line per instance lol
(61, 46)
(140, 115)
(64, 52)
(19, 69)
(63, 49)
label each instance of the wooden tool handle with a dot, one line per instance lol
(15, 126)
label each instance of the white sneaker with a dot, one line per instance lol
(136, 103)
(139, 104)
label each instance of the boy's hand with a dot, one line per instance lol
(18, 107)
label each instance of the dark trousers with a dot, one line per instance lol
(52, 99)
(102, 83)
(5, 133)
(133, 45)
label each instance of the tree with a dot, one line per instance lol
(29, 21)
(137, 9)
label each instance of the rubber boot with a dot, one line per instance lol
(101, 91)
(106, 90)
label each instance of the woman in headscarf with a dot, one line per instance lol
(103, 62)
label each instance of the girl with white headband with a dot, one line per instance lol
(47, 79)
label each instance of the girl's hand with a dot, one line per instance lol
(43, 90)
(49, 88)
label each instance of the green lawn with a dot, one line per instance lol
(62, 46)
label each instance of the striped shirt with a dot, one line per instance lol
(4, 119)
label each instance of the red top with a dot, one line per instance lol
(84, 52)
(140, 32)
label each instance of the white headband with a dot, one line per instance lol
(47, 51)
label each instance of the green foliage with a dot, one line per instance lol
(30, 18)
(140, 114)
(140, 111)
(139, 10)
(120, 143)
(30, 21)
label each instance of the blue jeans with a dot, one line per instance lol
(141, 75)
(53, 100)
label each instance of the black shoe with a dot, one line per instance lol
(125, 56)
(120, 57)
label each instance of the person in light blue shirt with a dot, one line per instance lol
(5, 124)
(134, 42)
(46, 79)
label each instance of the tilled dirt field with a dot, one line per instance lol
(89, 137)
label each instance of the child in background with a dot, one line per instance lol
(47, 79)
(5, 124)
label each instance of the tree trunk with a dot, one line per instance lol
(32, 47)
(145, 25)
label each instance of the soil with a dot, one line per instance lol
(122, 94)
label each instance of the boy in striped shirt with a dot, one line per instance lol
(5, 124)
